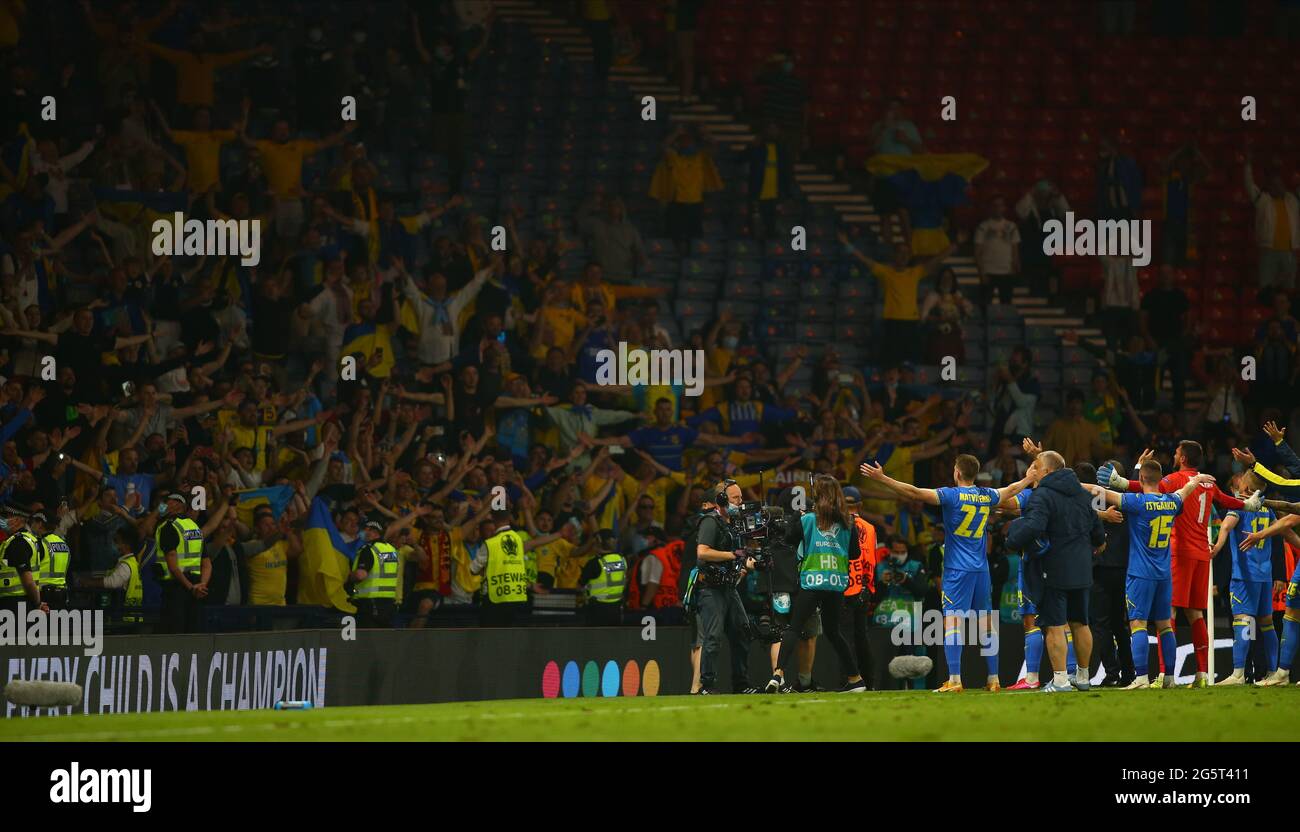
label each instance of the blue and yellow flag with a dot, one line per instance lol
(275, 496)
(365, 339)
(929, 185)
(325, 562)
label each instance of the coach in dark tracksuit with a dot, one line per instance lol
(1061, 511)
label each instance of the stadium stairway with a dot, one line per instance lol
(1047, 328)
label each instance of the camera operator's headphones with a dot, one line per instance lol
(721, 497)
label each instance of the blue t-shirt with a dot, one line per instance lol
(965, 514)
(143, 485)
(665, 446)
(1256, 563)
(1151, 520)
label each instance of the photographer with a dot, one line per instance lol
(718, 605)
(901, 583)
(829, 543)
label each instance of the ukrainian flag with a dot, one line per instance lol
(325, 562)
(365, 339)
(929, 185)
(275, 496)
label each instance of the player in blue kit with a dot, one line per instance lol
(1284, 526)
(1251, 589)
(1149, 588)
(966, 587)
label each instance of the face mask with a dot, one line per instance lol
(730, 342)
(1237, 467)
(896, 558)
(4, 525)
(162, 509)
(733, 510)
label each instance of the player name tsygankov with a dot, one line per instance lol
(215, 238)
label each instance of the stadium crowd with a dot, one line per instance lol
(387, 362)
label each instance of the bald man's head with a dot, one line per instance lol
(1051, 461)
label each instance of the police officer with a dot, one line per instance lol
(125, 575)
(183, 566)
(505, 574)
(605, 578)
(53, 577)
(718, 605)
(374, 578)
(20, 560)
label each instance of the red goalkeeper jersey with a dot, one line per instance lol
(1190, 537)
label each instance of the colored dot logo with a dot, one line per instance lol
(593, 679)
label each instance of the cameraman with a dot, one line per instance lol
(717, 602)
(774, 581)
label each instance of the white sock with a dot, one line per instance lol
(954, 680)
(1061, 678)
(993, 679)
(1031, 678)
(1238, 672)
(1081, 674)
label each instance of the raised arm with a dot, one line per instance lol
(853, 252)
(876, 472)
(1272, 529)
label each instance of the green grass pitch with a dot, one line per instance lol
(1223, 714)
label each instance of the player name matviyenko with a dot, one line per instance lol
(215, 238)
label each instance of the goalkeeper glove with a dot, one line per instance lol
(1255, 501)
(1108, 477)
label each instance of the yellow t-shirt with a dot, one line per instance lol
(1281, 225)
(687, 176)
(202, 156)
(548, 556)
(567, 567)
(769, 175)
(257, 438)
(657, 489)
(563, 323)
(267, 573)
(578, 296)
(900, 291)
(615, 506)
(282, 164)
